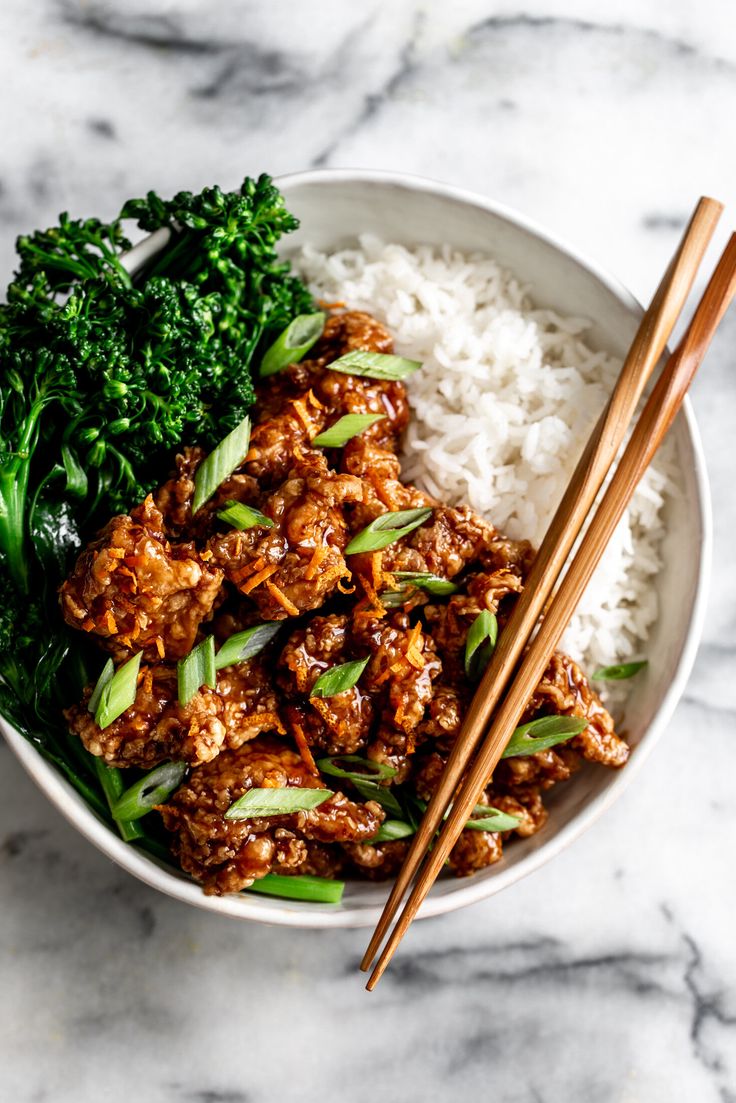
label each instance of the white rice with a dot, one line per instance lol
(507, 396)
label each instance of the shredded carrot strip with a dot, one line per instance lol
(257, 579)
(280, 596)
(160, 647)
(318, 555)
(110, 622)
(268, 721)
(250, 568)
(376, 573)
(346, 589)
(383, 677)
(302, 414)
(312, 398)
(304, 749)
(330, 306)
(116, 553)
(251, 455)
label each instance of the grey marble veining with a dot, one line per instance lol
(609, 975)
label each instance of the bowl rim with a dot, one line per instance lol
(269, 909)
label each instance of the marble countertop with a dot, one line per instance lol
(608, 976)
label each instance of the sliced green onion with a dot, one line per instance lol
(196, 669)
(302, 886)
(242, 646)
(339, 678)
(391, 830)
(541, 734)
(347, 427)
(242, 517)
(221, 463)
(149, 791)
(112, 785)
(367, 770)
(275, 802)
(118, 694)
(423, 580)
(375, 365)
(370, 790)
(386, 529)
(105, 677)
(480, 643)
(293, 343)
(485, 818)
(619, 672)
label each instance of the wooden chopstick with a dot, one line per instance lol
(647, 347)
(651, 428)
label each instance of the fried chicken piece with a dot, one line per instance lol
(565, 691)
(134, 590)
(294, 566)
(377, 861)
(251, 705)
(229, 855)
(156, 727)
(339, 724)
(279, 444)
(475, 850)
(337, 392)
(174, 498)
(402, 669)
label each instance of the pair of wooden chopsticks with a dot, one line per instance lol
(427, 855)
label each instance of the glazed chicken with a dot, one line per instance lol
(161, 580)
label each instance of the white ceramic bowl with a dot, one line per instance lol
(334, 206)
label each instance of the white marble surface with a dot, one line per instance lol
(609, 976)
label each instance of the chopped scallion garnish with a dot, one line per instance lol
(244, 645)
(275, 802)
(371, 790)
(347, 427)
(619, 671)
(111, 782)
(375, 365)
(386, 529)
(480, 643)
(118, 692)
(242, 517)
(106, 676)
(196, 669)
(390, 830)
(486, 818)
(221, 463)
(410, 580)
(149, 791)
(302, 886)
(365, 768)
(339, 678)
(541, 734)
(293, 343)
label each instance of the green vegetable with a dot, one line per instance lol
(366, 769)
(275, 802)
(485, 818)
(391, 830)
(245, 645)
(619, 672)
(339, 678)
(111, 782)
(221, 463)
(370, 790)
(149, 791)
(293, 343)
(410, 580)
(386, 529)
(105, 677)
(480, 643)
(197, 669)
(375, 365)
(541, 734)
(345, 428)
(243, 517)
(316, 890)
(118, 693)
(102, 376)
